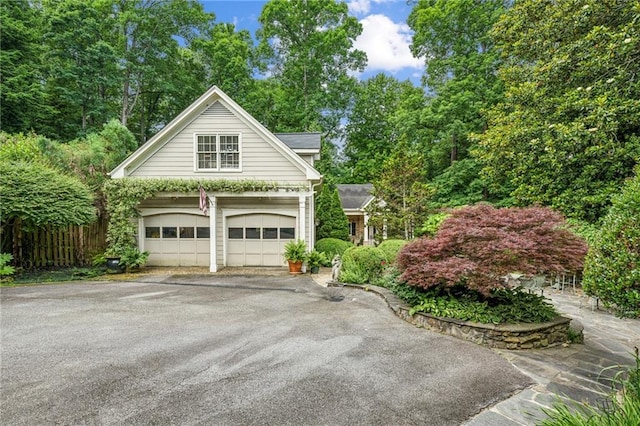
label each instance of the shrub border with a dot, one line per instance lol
(498, 336)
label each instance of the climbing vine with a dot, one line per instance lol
(125, 194)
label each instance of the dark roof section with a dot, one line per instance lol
(307, 140)
(355, 196)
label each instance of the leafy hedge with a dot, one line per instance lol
(612, 267)
(390, 248)
(362, 264)
(332, 246)
(124, 195)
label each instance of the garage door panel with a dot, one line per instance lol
(254, 239)
(172, 240)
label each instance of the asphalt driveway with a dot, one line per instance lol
(230, 350)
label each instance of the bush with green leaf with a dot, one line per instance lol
(332, 246)
(361, 265)
(430, 226)
(132, 258)
(6, 270)
(612, 267)
(390, 248)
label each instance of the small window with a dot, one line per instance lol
(270, 233)
(236, 233)
(186, 232)
(203, 232)
(217, 152)
(287, 233)
(252, 233)
(152, 232)
(169, 232)
(352, 228)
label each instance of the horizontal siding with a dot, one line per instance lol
(260, 161)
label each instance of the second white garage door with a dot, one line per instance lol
(258, 239)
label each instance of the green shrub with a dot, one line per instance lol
(361, 265)
(391, 249)
(132, 258)
(332, 246)
(431, 225)
(612, 266)
(6, 270)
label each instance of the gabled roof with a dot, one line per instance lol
(355, 196)
(215, 94)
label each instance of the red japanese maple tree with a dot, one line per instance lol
(478, 245)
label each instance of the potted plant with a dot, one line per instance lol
(295, 253)
(316, 259)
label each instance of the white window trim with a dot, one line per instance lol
(218, 169)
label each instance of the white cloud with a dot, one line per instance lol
(362, 7)
(386, 44)
(359, 7)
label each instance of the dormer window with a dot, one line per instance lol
(217, 152)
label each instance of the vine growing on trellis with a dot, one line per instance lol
(125, 194)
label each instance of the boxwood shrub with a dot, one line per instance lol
(391, 249)
(332, 246)
(362, 265)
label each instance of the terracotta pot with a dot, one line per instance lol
(295, 267)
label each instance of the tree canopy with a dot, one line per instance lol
(567, 134)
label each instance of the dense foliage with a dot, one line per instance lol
(567, 134)
(476, 246)
(612, 267)
(331, 221)
(362, 264)
(332, 246)
(390, 248)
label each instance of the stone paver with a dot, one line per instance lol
(580, 372)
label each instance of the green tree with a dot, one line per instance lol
(331, 220)
(81, 66)
(228, 60)
(309, 49)
(454, 38)
(372, 131)
(22, 101)
(612, 267)
(567, 134)
(401, 193)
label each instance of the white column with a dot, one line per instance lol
(302, 235)
(141, 233)
(213, 235)
(366, 229)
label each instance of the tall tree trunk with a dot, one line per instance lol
(454, 148)
(125, 98)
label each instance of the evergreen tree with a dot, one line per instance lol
(332, 222)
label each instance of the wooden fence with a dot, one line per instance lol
(62, 247)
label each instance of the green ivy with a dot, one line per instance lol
(125, 194)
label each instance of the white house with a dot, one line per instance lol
(214, 139)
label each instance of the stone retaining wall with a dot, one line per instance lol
(500, 336)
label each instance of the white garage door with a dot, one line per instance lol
(177, 240)
(258, 239)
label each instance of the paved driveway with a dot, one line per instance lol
(232, 350)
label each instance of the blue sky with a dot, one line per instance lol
(385, 36)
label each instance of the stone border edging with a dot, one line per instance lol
(499, 336)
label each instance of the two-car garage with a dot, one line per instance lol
(180, 239)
